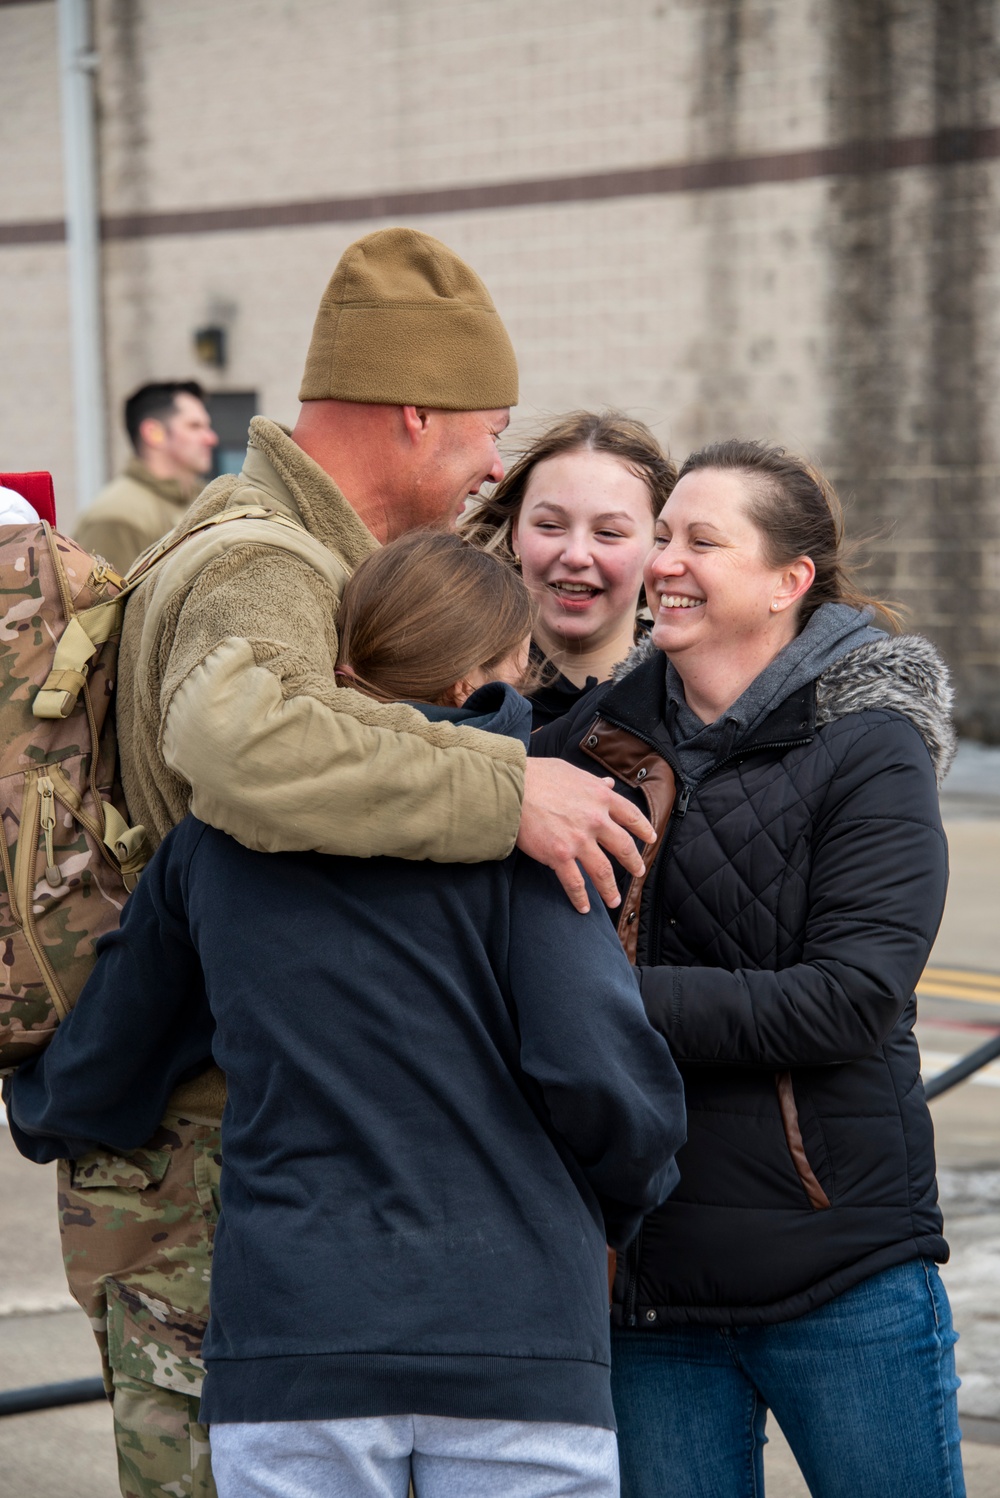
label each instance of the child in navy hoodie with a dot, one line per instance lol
(444, 1097)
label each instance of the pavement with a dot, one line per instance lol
(959, 998)
(959, 1006)
(44, 1337)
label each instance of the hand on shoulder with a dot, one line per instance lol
(572, 820)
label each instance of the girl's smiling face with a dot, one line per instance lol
(583, 532)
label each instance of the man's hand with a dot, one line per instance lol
(568, 816)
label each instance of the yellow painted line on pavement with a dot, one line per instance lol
(960, 983)
(963, 975)
(953, 991)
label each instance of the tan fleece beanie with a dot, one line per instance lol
(405, 322)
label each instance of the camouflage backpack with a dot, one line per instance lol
(68, 855)
(68, 858)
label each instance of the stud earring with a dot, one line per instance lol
(517, 559)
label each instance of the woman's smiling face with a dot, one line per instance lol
(708, 582)
(583, 533)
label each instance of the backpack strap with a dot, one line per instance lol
(129, 846)
(82, 637)
(144, 564)
(86, 631)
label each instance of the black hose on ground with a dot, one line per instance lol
(51, 1396)
(976, 1059)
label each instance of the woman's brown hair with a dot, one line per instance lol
(424, 612)
(798, 514)
(489, 525)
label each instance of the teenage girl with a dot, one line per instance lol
(576, 515)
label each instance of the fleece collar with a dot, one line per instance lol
(297, 486)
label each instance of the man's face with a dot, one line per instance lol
(459, 456)
(187, 438)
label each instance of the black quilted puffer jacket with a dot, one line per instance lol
(786, 916)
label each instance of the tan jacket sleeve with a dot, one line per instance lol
(282, 759)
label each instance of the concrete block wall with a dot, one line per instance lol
(36, 414)
(632, 301)
(852, 316)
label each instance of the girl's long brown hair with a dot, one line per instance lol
(798, 514)
(489, 525)
(424, 612)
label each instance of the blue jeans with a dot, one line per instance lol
(863, 1388)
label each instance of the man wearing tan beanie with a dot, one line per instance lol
(227, 707)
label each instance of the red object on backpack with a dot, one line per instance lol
(37, 489)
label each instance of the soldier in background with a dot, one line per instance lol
(171, 432)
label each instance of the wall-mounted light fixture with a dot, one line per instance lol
(210, 346)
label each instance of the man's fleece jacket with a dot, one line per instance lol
(227, 704)
(443, 1096)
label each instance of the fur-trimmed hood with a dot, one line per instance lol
(643, 650)
(903, 674)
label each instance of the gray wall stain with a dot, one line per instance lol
(866, 383)
(965, 58)
(126, 151)
(714, 131)
(908, 381)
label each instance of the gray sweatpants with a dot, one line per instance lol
(375, 1458)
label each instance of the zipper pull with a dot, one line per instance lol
(102, 574)
(682, 800)
(47, 818)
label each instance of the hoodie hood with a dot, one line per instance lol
(494, 708)
(832, 631)
(904, 674)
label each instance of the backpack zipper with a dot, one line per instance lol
(67, 794)
(47, 822)
(24, 880)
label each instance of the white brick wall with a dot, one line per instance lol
(31, 185)
(609, 302)
(817, 312)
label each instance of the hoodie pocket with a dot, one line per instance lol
(817, 1197)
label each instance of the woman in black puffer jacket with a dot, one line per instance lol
(789, 753)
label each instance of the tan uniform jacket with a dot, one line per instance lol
(132, 512)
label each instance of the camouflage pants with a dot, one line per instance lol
(137, 1239)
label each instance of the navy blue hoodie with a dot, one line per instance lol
(443, 1095)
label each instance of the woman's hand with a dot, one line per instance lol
(568, 816)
